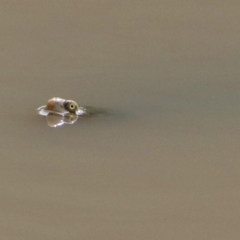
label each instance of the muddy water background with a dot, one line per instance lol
(166, 166)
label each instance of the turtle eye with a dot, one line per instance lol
(71, 106)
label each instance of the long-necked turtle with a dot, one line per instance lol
(61, 106)
(59, 111)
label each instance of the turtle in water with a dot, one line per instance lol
(61, 107)
(60, 111)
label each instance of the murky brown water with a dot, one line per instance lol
(166, 166)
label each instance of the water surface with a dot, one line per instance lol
(166, 166)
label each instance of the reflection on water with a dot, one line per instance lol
(56, 120)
